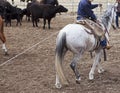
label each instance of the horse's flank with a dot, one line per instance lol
(87, 44)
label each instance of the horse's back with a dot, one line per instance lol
(76, 36)
(73, 29)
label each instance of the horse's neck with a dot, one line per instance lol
(107, 19)
(107, 23)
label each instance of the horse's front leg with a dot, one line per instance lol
(96, 62)
(73, 65)
(5, 49)
(3, 39)
(49, 23)
(44, 23)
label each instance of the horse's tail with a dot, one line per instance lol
(61, 42)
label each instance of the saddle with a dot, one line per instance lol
(95, 28)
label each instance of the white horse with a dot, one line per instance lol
(73, 37)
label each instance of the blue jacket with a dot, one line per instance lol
(85, 10)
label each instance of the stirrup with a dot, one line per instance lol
(108, 47)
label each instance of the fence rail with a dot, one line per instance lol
(72, 5)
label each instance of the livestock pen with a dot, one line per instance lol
(30, 68)
(72, 5)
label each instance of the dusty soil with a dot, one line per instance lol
(33, 71)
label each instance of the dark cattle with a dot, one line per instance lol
(10, 12)
(28, 11)
(47, 12)
(22, 0)
(13, 13)
(3, 5)
(2, 11)
(28, 14)
(24, 12)
(51, 2)
(26, 0)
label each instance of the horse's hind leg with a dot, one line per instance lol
(73, 65)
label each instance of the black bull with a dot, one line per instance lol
(47, 12)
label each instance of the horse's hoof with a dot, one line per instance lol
(101, 71)
(91, 77)
(6, 54)
(58, 85)
(43, 27)
(78, 81)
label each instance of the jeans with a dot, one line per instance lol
(117, 18)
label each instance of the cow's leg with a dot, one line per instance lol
(36, 20)
(20, 19)
(28, 18)
(10, 22)
(6, 22)
(17, 22)
(49, 23)
(33, 21)
(20, 22)
(44, 23)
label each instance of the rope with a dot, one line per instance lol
(10, 60)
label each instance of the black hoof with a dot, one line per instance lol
(6, 54)
(77, 81)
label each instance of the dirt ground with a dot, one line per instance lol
(32, 68)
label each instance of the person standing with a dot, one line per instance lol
(117, 13)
